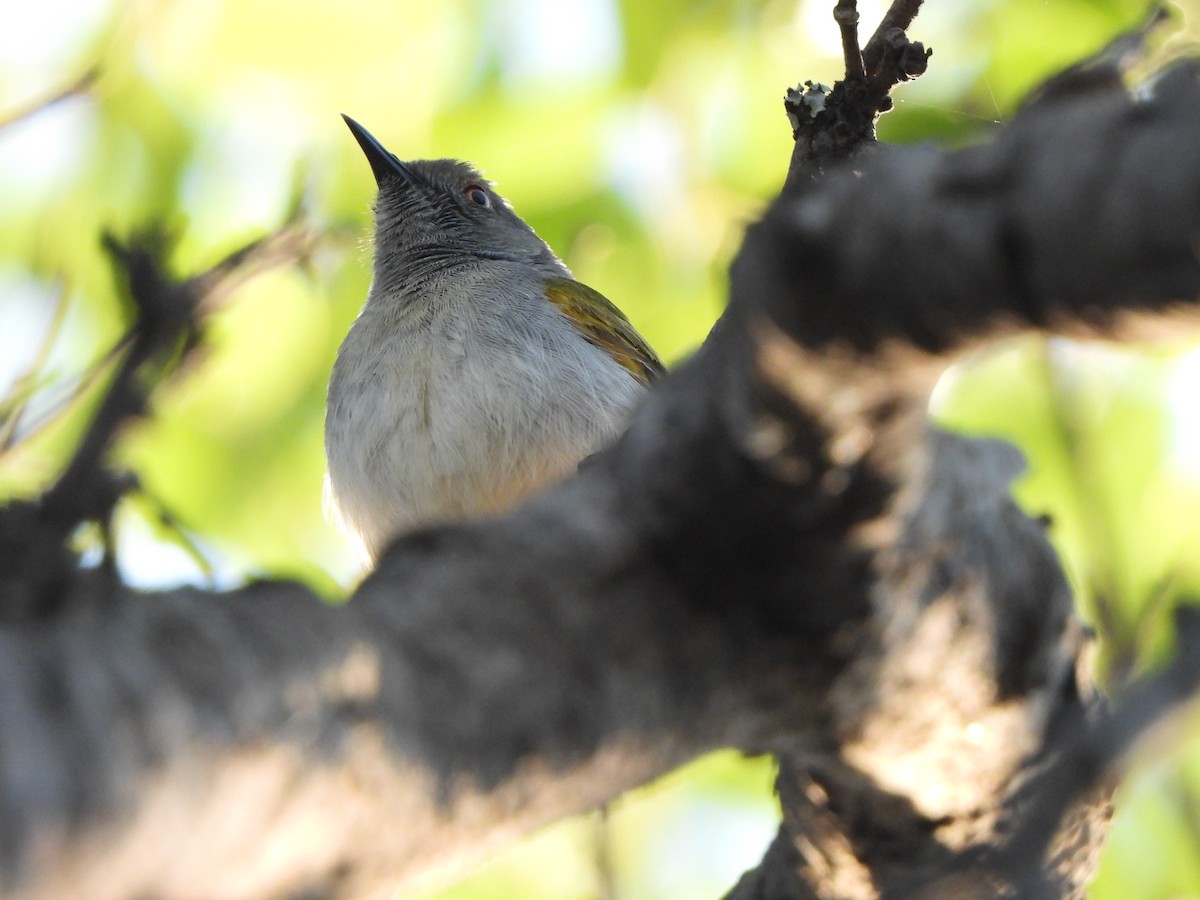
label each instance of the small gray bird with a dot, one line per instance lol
(478, 371)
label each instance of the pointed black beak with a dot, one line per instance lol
(383, 164)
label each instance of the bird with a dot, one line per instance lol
(478, 370)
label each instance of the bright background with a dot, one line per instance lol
(639, 139)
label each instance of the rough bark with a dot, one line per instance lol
(776, 557)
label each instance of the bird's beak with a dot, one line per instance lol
(383, 164)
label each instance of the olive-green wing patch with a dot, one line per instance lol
(605, 326)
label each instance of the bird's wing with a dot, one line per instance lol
(605, 326)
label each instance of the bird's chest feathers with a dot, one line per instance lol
(451, 409)
(448, 385)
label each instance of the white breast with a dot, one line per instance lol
(433, 416)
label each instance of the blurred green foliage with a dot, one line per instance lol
(639, 139)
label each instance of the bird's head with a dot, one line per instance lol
(443, 209)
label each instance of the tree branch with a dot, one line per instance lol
(898, 18)
(838, 123)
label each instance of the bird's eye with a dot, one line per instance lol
(476, 194)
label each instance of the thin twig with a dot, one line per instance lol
(24, 385)
(846, 15)
(79, 86)
(290, 244)
(900, 15)
(179, 534)
(836, 124)
(83, 383)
